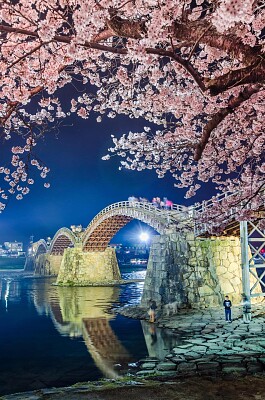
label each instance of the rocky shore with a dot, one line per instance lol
(210, 345)
(214, 356)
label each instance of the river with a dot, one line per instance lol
(54, 336)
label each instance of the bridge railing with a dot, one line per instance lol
(199, 209)
(176, 208)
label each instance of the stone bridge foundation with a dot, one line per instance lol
(193, 272)
(80, 268)
(47, 264)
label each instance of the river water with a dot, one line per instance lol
(56, 336)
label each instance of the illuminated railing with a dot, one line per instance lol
(227, 214)
(136, 205)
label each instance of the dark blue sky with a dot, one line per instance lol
(81, 183)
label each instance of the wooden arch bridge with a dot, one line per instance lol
(111, 219)
(70, 249)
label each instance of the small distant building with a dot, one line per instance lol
(3, 252)
(13, 249)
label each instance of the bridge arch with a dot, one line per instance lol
(63, 238)
(40, 247)
(114, 217)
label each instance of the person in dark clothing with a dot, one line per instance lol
(227, 305)
(152, 311)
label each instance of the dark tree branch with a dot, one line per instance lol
(231, 44)
(233, 104)
(254, 73)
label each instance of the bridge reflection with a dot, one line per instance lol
(77, 312)
(81, 312)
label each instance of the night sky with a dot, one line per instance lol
(81, 183)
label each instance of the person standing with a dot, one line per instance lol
(152, 311)
(246, 309)
(227, 305)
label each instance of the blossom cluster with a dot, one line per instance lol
(178, 65)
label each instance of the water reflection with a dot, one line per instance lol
(85, 312)
(55, 336)
(9, 291)
(159, 341)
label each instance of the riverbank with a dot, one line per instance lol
(210, 345)
(215, 360)
(197, 388)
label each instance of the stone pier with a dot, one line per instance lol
(185, 271)
(80, 268)
(47, 264)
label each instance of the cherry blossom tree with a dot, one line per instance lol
(194, 70)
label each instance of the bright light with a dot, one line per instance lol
(144, 236)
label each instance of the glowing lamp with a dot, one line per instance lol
(144, 236)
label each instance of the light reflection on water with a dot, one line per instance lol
(55, 336)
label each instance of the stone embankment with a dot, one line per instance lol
(210, 345)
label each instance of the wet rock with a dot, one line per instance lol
(21, 396)
(166, 366)
(145, 372)
(262, 360)
(180, 358)
(186, 367)
(191, 355)
(254, 367)
(199, 349)
(229, 368)
(168, 373)
(148, 365)
(208, 366)
(197, 341)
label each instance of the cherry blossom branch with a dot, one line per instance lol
(254, 73)
(13, 105)
(250, 74)
(197, 42)
(230, 44)
(26, 55)
(63, 39)
(233, 104)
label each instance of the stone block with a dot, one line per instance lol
(167, 373)
(180, 358)
(234, 369)
(255, 367)
(208, 366)
(186, 367)
(166, 366)
(148, 365)
(145, 372)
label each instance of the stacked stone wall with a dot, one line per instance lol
(91, 268)
(47, 264)
(193, 272)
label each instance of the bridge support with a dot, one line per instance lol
(253, 261)
(29, 264)
(245, 258)
(80, 268)
(47, 264)
(185, 271)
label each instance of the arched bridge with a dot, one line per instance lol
(81, 266)
(110, 220)
(114, 217)
(63, 239)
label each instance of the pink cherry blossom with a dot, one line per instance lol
(192, 72)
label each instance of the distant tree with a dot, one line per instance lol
(193, 69)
